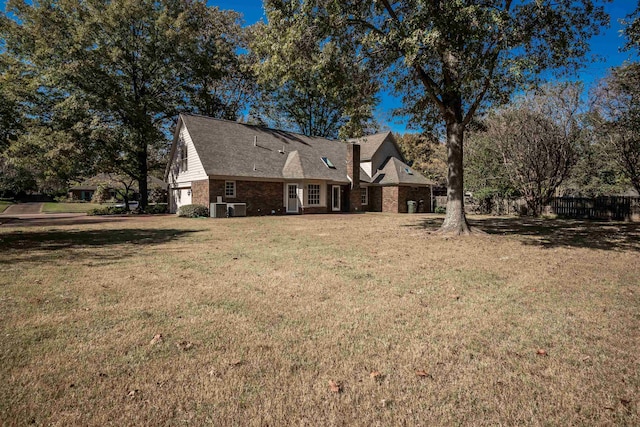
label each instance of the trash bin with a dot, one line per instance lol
(411, 206)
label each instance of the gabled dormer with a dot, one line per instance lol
(376, 149)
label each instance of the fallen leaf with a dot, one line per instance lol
(185, 345)
(455, 296)
(157, 339)
(236, 363)
(375, 375)
(541, 352)
(335, 387)
(422, 373)
(133, 393)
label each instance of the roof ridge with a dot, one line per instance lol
(202, 116)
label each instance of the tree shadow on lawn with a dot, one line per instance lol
(552, 233)
(20, 245)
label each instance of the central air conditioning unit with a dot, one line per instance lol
(237, 209)
(218, 210)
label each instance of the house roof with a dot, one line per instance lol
(396, 172)
(370, 144)
(227, 148)
(92, 183)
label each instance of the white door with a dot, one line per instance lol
(292, 198)
(335, 198)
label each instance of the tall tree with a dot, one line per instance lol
(450, 59)
(425, 154)
(131, 64)
(313, 78)
(486, 175)
(538, 139)
(617, 108)
(221, 83)
(632, 30)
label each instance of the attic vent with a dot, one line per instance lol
(281, 151)
(328, 163)
(255, 141)
(409, 171)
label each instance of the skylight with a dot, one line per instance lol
(328, 163)
(409, 171)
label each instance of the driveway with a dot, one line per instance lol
(23, 209)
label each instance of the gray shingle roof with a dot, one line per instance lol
(394, 172)
(369, 144)
(227, 148)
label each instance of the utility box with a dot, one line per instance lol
(218, 210)
(237, 209)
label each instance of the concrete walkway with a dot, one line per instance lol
(23, 209)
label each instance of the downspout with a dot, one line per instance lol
(431, 195)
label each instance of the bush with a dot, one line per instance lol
(101, 194)
(157, 195)
(193, 211)
(108, 210)
(440, 210)
(158, 208)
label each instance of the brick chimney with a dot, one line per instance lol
(353, 170)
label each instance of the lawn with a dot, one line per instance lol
(54, 207)
(4, 205)
(319, 320)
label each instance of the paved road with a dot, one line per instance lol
(57, 219)
(23, 209)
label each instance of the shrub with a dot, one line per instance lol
(101, 194)
(158, 208)
(108, 210)
(157, 195)
(440, 210)
(193, 211)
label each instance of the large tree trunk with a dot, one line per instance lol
(142, 178)
(455, 221)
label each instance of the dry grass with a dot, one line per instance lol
(61, 207)
(258, 315)
(4, 205)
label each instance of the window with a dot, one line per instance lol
(328, 163)
(409, 171)
(230, 188)
(184, 163)
(313, 194)
(364, 195)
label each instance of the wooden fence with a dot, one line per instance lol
(607, 207)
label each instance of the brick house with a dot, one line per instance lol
(279, 172)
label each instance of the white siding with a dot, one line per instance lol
(195, 170)
(179, 197)
(366, 166)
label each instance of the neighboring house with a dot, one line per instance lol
(85, 189)
(279, 172)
